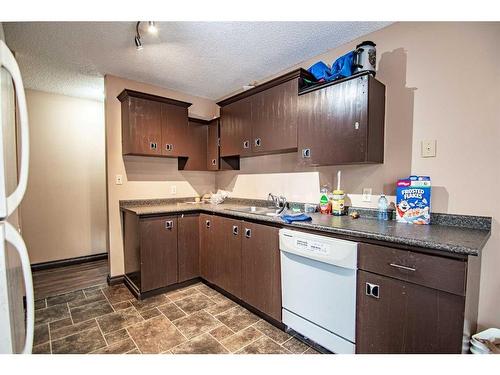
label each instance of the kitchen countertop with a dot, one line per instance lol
(451, 239)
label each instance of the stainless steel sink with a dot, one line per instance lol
(265, 211)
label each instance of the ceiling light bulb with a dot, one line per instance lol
(138, 43)
(152, 29)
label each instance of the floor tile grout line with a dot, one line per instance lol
(50, 338)
(296, 338)
(102, 333)
(131, 338)
(74, 333)
(70, 315)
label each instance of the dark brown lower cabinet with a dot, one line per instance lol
(158, 252)
(188, 246)
(402, 317)
(227, 246)
(207, 248)
(260, 268)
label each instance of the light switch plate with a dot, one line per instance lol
(173, 189)
(367, 195)
(428, 148)
(119, 179)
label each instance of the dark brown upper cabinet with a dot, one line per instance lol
(342, 122)
(153, 125)
(195, 157)
(175, 134)
(274, 119)
(213, 145)
(262, 120)
(236, 128)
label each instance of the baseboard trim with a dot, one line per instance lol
(113, 280)
(68, 262)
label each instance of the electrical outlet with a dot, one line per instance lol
(367, 195)
(173, 189)
(428, 149)
(119, 179)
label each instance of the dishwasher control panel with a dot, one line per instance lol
(325, 249)
(312, 246)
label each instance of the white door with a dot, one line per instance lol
(8, 204)
(8, 234)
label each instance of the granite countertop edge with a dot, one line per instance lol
(172, 207)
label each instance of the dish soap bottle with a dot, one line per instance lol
(325, 206)
(383, 205)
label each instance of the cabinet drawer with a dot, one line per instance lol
(444, 274)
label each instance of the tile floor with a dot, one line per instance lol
(193, 320)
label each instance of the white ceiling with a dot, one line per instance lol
(208, 59)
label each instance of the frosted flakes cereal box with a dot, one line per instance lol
(413, 200)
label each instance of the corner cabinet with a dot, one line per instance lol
(342, 122)
(150, 252)
(153, 125)
(159, 251)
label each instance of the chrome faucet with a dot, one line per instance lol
(279, 202)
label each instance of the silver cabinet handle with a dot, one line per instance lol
(169, 224)
(306, 153)
(246, 144)
(402, 267)
(214, 161)
(235, 230)
(372, 290)
(248, 233)
(207, 223)
(169, 147)
(257, 142)
(153, 145)
(356, 125)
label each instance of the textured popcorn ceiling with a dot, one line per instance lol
(208, 59)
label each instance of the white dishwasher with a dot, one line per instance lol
(318, 280)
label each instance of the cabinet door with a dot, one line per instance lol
(235, 128)
(141, 127)
(333, 124)
(274, 118)
(406, 318)
(208, 254)
(195, 158)
(174, 130)
(188, 246)
(260, 268)
(158, 252)
(228, 245)
(213, 146)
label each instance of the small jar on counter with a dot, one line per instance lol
(338, 201)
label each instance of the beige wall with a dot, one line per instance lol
(63, 213)
(443, 83)
(145, 177)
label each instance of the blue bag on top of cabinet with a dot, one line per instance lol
(413, 200)
(320, 71)
(342, 67)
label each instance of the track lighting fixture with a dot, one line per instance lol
(138, 43)
(152, 29)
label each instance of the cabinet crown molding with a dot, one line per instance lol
(297, 73)
(126, 93)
